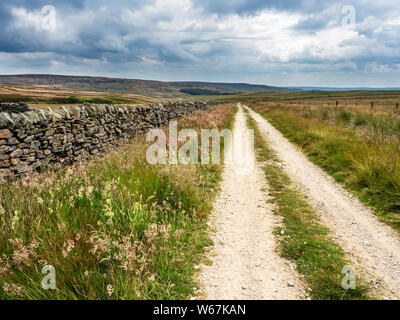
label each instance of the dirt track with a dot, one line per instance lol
(372, 246)
(245, 262)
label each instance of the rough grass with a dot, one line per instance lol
(305, 240)
(363, 155)
(47, 95)
(113, 228)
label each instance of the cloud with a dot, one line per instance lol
(202, 40)
(250, 7)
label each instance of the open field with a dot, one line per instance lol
(383, 99)
(44, 97)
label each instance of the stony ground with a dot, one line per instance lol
(372, 246)
(245, 262)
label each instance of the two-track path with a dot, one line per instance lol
(245, 262)
(372, 246)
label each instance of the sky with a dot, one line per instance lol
(273, 42)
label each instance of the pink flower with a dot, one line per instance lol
(110, 290)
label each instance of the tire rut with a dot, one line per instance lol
(245, 262)
(371, 246)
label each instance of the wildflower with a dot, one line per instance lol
(12, 289)
(86, 273)
(165, 229)
(34, 244)
(178, 234)
(107, 189)
(4, 265)
(80, 193)
(124, 265)
(15, 219)
(43, 262)
(67, 247)
(151, 233)
(61, 226)
(89, 191)
(107, 210)
(40, 200)
(22, 254)
(110, 290)
(101, 245)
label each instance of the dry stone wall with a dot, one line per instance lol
(13, 107)
(32, 140)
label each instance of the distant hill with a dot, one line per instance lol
(157, 89)
(342, 89)
(236, 87)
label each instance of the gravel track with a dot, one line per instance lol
(245, 262)
(371, 246)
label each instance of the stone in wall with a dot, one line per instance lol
(34, 139)
(13, 107)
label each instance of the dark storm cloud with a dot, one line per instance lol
(12, 40)
(5, 6)
(93, 38)
(200, 35)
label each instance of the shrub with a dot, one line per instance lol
(325, 112)
(360, 119)
(73, 99)
(344, 116)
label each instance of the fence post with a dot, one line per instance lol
(337, 103)
(397, 105)
(372, 105)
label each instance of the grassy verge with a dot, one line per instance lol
(302, 238)
(362, 155)
(113, 228)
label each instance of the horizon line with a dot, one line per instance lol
(204, 81)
